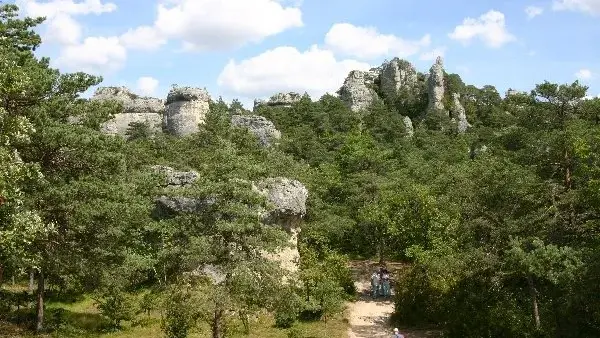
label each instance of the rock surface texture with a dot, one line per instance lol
(186, 108)
(459, 115)
(166, 206)
(395, 75)
(262, 128)
(279, 99)
(408, 125)
(289, 198)
(357, 91)
(135, 109)
(435, 84)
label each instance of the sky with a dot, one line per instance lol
(249, 49)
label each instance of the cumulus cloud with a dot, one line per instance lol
(433, 54)
(490, 28)
(591, 7)
(368, 43)
(142, 38)
(61, 27)
(219, 25)
(533, 11)
(147, 85)
(94, 55)
(315, 71)
(583, 74)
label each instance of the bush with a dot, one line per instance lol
(117, 306)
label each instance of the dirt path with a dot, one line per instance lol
(370, 318)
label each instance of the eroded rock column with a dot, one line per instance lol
(186, 108)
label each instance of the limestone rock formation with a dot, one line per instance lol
(175, 178)
(435, 83)
(408, 125)
(395, 75)
(264, 129)
(279, 100)
(458, 114)
(135, 109)
(186, 108)
(289, 198)
(357, 91)
(171, 205)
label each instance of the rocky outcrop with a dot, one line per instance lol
(176, 179)
(408, 125)
(435, 84)
(279, 100)
(458, 114)
(395, 75)
(289, 198)
(167, 206)
(262, 128)
(186, 108)
(358, 91)
(136, 109)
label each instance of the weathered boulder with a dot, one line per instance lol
(175, 178)
(395, 75)
(358, 91)
(166, 206)
(279, 100)
(186, 108)
(408, 125)
(435, 83)
(136, 108)
(458, 114)
(289, 198)
(262, 128)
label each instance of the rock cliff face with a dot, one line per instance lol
(395, 75)
(357, 91)
(289, 198)
(459, 115)
(408, 125)
(435, 83)
(135, 109)
(264, 129)
(279, 100)
(186, 108)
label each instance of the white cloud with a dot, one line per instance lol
(433, 54)
(368, 43)
(94, 55)
(583, 74)
(533, 11)
(591, 7)
(142, 38)
(489, 28)
(285, 68)
(63, 29)
(147, 85)
(218, 24)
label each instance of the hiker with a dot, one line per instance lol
(397, 334)
(374, 284)
(385, 282)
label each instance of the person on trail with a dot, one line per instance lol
(397, 334)
(385, 282)
(374, 284)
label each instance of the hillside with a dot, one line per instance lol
(189, 216)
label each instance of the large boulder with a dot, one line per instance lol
(395, 75)
(435, 84)
(186, 108)
(174, 178)
(289, 198)
(408, 126)
(459, 115)
(136, 109)
(358, 91)
(262, 128)
(279, 100)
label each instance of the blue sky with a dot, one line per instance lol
(253, 48)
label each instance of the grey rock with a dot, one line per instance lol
(395, 75)
(408, 125)
(358, 92)
(458, 113)
(264, 129)
(172, 205)
(435, 83)
(175, 178)
(185, 111)
(279, 100)
(136, 109)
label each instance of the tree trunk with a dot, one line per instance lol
(1, 274)
(534, 303)
(40, 302)
(31, 279)
(217, 330)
